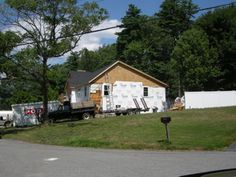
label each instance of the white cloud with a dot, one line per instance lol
(91, 41)
(94, 40)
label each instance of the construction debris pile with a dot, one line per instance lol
(178, 104)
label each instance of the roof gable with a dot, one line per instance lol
(131, 68)
(80, 78)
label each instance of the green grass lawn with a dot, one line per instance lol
(203, 129)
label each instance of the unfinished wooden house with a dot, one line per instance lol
(117, 86)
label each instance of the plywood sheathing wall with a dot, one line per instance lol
(96, 97)
(122, 73)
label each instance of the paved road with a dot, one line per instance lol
(232, 147)
(32, 160)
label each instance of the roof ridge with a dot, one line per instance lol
(133, 68)
(79, 78)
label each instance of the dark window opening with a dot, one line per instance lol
(106, 90)
(145, 91)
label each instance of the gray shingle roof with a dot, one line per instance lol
(79, 78)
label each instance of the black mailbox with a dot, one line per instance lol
(165, 120)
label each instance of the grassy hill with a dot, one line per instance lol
(203, 129)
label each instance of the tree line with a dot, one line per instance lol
(188, 53)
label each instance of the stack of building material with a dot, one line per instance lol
(82, 104)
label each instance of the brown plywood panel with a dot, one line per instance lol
(83, 104)
(122, 73)
(96, 97)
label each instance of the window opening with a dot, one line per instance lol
(145, 91)
(106, 90)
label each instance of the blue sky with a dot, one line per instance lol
(117, 8)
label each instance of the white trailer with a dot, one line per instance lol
(209, 99)
(28, 114)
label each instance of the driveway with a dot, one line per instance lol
(33, 160)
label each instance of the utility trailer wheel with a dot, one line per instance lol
(86, 116)
(7, 124)
(131, 112)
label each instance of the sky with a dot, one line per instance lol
(117, 8)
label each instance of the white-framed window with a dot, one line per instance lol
(145, 91)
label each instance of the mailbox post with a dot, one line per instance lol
(166, 120)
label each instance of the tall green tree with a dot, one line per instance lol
(87, 60)
(130, 41)
(8, 41)
(21, 70)
(91, 60)
(106, 55)
(194, 61)
(175, 16)
(52, 28)
(57, 75)
(220, 26)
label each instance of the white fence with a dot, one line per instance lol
(209, 99)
